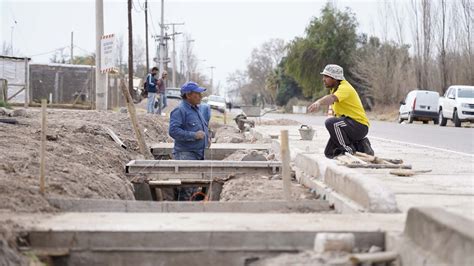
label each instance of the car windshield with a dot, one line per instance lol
(466, 93)
(216, 99)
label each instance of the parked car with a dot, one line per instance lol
(216, 102)
(419, 105)
(457, 104)
(174, 93)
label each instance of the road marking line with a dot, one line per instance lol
(424, 146)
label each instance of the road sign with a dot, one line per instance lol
(107, 51)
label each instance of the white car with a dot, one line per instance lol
(457, 104)
(419, 105)
(174, 93)
(216, 102)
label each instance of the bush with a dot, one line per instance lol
(4, 104)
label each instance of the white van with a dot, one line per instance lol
(419, 105)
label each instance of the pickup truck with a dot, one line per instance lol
(457, 105)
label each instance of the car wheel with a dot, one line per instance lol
(425, 122)
(457, 122)
(400, 119)
(442, 121)
(410, 118)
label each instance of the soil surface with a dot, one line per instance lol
(82, 160)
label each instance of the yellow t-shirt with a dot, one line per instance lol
(349, 103)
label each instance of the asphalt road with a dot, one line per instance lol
(449, 138)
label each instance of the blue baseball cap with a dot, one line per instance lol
(191, 86)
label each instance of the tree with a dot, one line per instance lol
(84, 60)
(262, 62)
(330, 38)
(237, 85)
(385, 68)
(139, 57)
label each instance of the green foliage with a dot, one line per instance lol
(4, 104)
(84, 60)
(329, 39)
(288, 88)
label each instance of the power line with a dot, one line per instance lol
(152, 21)
(49, 52)
(80, 48)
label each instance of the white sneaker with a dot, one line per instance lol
(163, 114)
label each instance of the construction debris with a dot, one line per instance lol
(115, 137)
(362, 160)
(407, 172)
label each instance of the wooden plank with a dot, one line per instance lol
(380, 166)
(16, 93)
(136, 127)
(115, 137)
(204, 167)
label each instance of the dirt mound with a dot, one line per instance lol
(260, 188)
(81, 159)
(280, 122)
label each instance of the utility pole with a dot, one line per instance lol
(72, 48)
(100, 78)
(162, 37)
(130, 47)
(146, 36)
(174, 50)
(212, 76)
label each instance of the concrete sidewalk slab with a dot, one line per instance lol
(203, 238)
(100, 205)
(449, 185)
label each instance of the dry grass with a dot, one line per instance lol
(384, 113)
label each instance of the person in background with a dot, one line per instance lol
(151, 89)
(190, 131)
(161, 83)
(349, 126)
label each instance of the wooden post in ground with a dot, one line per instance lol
(285, 164)
(43, 144)
(135, 125)
(225, 116)
(4, 90)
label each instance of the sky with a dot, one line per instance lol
(225, 31)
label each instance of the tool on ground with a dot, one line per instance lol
(306, 132)
(407, 172)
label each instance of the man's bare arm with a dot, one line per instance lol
(326, 100)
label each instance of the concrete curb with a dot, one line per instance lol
(365, 191)
(443, 237)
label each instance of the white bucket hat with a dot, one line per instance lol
(333, 71)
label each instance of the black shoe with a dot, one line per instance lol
(364, 146)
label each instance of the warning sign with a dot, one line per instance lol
(108, 50)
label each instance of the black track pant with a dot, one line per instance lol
(344, 133)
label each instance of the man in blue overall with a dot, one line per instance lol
(189, 129)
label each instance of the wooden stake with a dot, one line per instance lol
(225, 117)
(135, 125)
(285, 160)
(43, 144)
